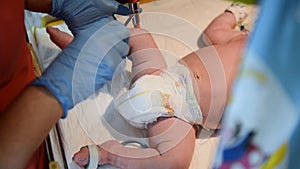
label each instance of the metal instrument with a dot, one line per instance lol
(134, 8)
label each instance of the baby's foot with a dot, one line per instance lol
(81, 158)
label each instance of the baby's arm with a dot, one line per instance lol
(221, 29)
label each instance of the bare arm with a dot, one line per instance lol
(25, 124)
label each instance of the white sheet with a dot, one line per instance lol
(176, 26)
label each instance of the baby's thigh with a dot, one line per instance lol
(172, 133)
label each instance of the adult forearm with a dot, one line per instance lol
(25, 124)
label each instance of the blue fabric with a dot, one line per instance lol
(236, 151)
(294, 149)
(99, 44)
(276, 40)
(266, 96)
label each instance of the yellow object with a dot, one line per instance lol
(35, 62)
(54, 165)
(49, 20)
(276, 158)
(57, 22)
(255, 74)
(146, 1)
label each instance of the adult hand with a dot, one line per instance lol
(99, 44)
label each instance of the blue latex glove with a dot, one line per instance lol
(99, 44)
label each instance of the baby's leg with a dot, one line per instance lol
(174, 139)
(172, 144)
(146, 57)
(222, 29)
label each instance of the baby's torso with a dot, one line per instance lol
(209, 85)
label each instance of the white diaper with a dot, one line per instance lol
(167, 95)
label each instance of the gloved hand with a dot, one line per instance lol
(99, 44)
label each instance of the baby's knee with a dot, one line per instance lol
(138, 32)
